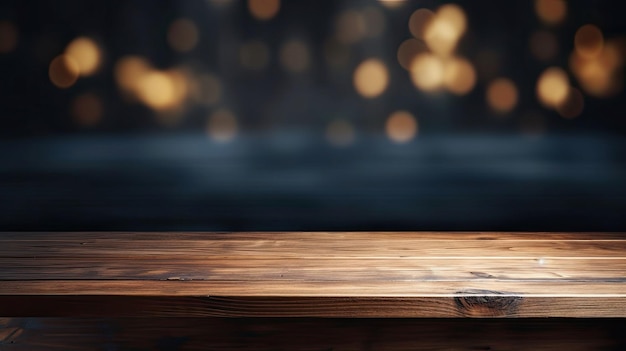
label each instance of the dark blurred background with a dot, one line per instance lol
(312, 115)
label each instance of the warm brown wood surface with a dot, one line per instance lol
(313, 274)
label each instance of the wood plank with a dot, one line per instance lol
(321, 269)
(480, 305)
(304, 275)
(307, 334)
(335, 248)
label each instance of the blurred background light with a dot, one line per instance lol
(264, 10)
(502, 95)
(428, 72)
(419, 22)
(268, 114)
(340, 133)
(371, 78)
(295, 56)
(9, 36)
(87, 109)
(553, 87)
(401, 127)
(64, 71)
(183, 35)
(86, 53)
(222, 126)
(551, 12)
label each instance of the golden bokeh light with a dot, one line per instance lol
(371, 78)
(128, 71)
(254, 55)
(63, 71)
(409, 50)
(340, 133)
(551, 11)
(544, 45)
(9, 37)
(502, 95)
(295, 56)
(445, 29)
(161, 90)
(599, 75)
(553, 87)
(264, 10)
(392, 4)
(87, 110)
(86, 53)
(419, 21)
(428, 72)
(573, 105)
(401, 127)
(588, 41)
(183, 35)
(350, 27)
(460, 76)
(222, 126)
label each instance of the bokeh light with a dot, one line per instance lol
(87, 109)
(419, 21)
(295, 56)
(254, 55)
(222, 126)
(502, 95)
(264, 10)
(552, 87)
(350, 27)
(371, 78)
(544, 45)
(9, 37)
(392, 4)
(401, 127)
(551, 12)
(162, 90)
(599, 75)
(183, 35)
(129, 70)
(340, 133)
(445, 29)
(573, 105)
(428, 72)
(460, 76)
(589, 41)
(86, 53)
(408, 51)
(63, 71)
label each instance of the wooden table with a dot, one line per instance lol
(394, 290)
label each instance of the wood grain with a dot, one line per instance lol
(408, 274)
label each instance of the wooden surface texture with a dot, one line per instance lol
(406, 274)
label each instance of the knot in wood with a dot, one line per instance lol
(487, 303)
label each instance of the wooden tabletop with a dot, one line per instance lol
(407, 274)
